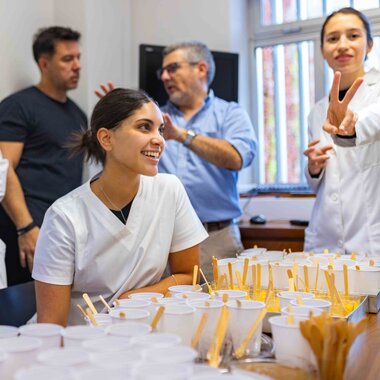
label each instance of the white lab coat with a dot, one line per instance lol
(346, 213)
(3, 182)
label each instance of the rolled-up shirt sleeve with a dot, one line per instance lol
(240, 134)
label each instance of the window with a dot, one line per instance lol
(290, 76)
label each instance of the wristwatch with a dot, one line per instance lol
(190, 134)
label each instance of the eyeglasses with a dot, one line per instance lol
(171, 68)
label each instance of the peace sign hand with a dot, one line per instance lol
(340, 119)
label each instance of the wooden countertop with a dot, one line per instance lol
(364, 359)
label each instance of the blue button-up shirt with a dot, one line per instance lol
(212, 190)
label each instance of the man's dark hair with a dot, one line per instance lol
(45, 39)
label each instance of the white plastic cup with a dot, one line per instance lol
(365, 281)
(71, 357)
(101, 374)
(123, 361)
(171, 301)
(146, 295)
(3, 358)
(280, 274)
(241, 319)
(49, 333)
(8, 331)
(223, 267)
(156, 340)
(178, 319)
(324, 305)
(41, 372)
(73, 336)
(289, 343)
(302, 311)
(222, 376)
(175, 289)
(192, 296)
(107, 344)
(130, 315)
(213, 309)
(251, 252)
(102, 319)
(232, 294)
(132, 303)
(158, 371)
(21, 351)
(170, 355)
(272, 256)
(286, 296)
(128, 329)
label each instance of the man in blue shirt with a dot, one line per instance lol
(209, 140)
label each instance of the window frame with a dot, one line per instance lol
(262, 36)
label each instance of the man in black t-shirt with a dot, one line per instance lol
(35, 127)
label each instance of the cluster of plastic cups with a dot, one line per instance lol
(127, 349)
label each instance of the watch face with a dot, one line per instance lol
(189, 137)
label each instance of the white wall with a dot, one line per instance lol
(111, 33)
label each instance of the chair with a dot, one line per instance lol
(17, 304)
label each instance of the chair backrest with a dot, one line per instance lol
(17, 304)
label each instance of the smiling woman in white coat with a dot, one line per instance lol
(115, 234)
(344, 150)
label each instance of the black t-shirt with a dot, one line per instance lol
(46, 170)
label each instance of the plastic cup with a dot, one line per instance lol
(252, 252)
(178, 319)
(8, 331)
(213, 309)
(146, 295)
(107, 344)
(3, 358)
(222, 376)
(280, 274)
(314, 303)
(285, 297)
(289, 343)
(158, 371)
(171, 301)
(170, 355)
(21, 351)
(192, 296)
(49, 333)
(71, 357)
(232, 294)
(156, 340)
(73, 336)
(40, 372)
(184, 289)
(102, 319)
(132, 303)
(272, 256)
(130, 315)
(302, 311)
(241, 320)
(101, 374)
(123, 361)
(365, 281)
(128, 329)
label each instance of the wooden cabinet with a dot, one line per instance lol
(274, 236)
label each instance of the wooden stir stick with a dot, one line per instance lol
(195, 275)
(157, 317)
(89, 303)
(105, 303)
(91, 316)
(199, 330)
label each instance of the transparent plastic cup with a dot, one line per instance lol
(286, 296)
(40, 372)
(64, 357)
(241, 319)
(73, 336)
(49, 333)
(130, 315)
(163, 372)
(213, 309)
(156, 340)
(21, 351)
(184, 289)
(107, 344)
(170, 355)
(128, 329)
(178, 319)
(8, 331)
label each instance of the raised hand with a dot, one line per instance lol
(340, 119)
(317, 157)
(104, 89)
(171, 131)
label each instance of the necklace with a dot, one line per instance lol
(113, 205)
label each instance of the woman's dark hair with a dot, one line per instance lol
(350, 11)
(111, 110)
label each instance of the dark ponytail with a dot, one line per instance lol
(110, 111)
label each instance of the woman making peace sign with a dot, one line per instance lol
(344, 152)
